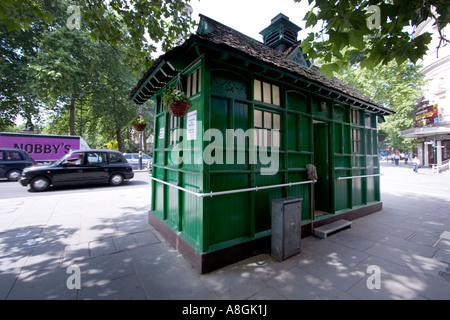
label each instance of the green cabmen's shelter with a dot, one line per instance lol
(263, 121)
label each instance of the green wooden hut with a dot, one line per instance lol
(211, 189)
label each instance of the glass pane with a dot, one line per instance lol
(266, 93)
(258, 118)
(267, 120)
(188, 86)
(268, 142)
(194, 83)
(276, 138)
(257, 90)
(275, 95)
(276, 121)
(260, 137)
(199, 87)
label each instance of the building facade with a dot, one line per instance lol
(432, 116)
(260, 115)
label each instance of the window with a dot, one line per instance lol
(267, 129)
(114, 158)
(356, 140)
(266, 92)
(445, 150)
(174, 130)
(194, 83)
(13, 156)
(96, 158)
(356, 132)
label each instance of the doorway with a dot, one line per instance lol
(322, 162)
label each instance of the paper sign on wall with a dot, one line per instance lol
(161, 133)
(191, 125)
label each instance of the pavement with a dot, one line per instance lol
(98, 245)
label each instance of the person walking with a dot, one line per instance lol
(416, 164)
(397, 159)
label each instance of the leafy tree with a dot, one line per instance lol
(372, 32)
(137, 25)
(65, 69)
(392, 86)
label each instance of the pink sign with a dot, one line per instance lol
(41, 148)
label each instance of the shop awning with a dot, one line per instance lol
(424, 132)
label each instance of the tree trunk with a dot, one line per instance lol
(72, 115)
(119, 138)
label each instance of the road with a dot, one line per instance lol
(12, 190)
(402, 180)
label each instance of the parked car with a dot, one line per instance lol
(80, 167)
(12, 163)
(133, 158)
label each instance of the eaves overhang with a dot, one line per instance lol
(161, 73)
(424, 132)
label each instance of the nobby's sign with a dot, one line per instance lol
(41, 147)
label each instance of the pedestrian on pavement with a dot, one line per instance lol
(416, 163)
(397, 159)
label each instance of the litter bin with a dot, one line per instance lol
(286, 227)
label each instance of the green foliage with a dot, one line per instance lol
(345, 37)
(173, 95)
(139, 119)
(79, 80)
(392, 86)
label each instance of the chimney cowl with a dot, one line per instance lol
(281, 34)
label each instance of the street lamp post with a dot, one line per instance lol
(140, 143)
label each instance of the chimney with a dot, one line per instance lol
(281, 34)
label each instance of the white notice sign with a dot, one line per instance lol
(191, 125)
(161, 133)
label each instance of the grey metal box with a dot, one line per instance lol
(286, 227)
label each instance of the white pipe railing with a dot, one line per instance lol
(438, 168)
(219, 193)
(355, 177)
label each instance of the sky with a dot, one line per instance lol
(250, 16)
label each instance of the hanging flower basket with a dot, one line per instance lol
(139, 123)
(177, 101)
(179, 109)
(139, 126)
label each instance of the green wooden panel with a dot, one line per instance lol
(305, 133)
(338, 139)
(230, 215)
(192, 209)
(297, 160)
(159, 203)
(300, 191)
(341, 188)
(297, 101)
(229, 83)
(341, 113)
(357, 188)
(172, 204)
(342, 161)
(263, 201)
(292, 135)
(321, 161)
